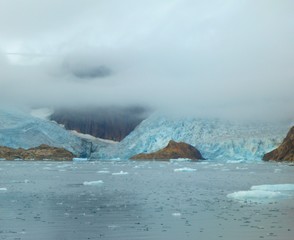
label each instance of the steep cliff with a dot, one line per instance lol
(111, 123)
(285, 152)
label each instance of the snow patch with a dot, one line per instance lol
(92, 138)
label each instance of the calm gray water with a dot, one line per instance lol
(143, 200)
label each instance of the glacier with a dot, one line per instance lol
(18, 128)
(216, 139)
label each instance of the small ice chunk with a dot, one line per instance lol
(93, 183)
(120, 173)
(80, 159)
(103, 172)
(177, 214)
(180, 160)
(235, 161)
(3, 189)
(185, 169)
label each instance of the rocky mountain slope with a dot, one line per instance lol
(113, 123)
(173, 150)
(285, 152)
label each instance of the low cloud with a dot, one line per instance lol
(206, 57)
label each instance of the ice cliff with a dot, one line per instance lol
(19, 128)
(215, 139)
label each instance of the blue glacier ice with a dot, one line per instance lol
(216, 139)
(18, 128)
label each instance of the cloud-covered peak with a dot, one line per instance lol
(210, 56)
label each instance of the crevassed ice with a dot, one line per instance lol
(215, 139)
(20, 129)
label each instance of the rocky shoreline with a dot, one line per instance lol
(42, 152)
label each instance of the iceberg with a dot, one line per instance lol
(274, 187)
(261, 193)
(216, 139)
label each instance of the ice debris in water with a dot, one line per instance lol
(180, 160)
(93, 183)
(185, 169)
(3, 189)
(261, 193)
(177, 214)
(80, 159)
(120, 173)
(103, 171)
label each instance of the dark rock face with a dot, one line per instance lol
(173, 150)
(111, 123)
(38, 153)
(285, 152)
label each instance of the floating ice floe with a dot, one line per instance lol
(180, 160)
(120, 173)
(264, 193)
(103, 171)
(275, 187)
(185, 169)
(93, 183)
(3, 189)
(235, 161)
(177, 214)
(80, 159)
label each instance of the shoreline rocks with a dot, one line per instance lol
(42, 152)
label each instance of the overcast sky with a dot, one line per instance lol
(234, 57)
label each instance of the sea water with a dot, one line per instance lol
(146, 200)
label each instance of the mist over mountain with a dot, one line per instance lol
(113, 123)
(216, 58)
